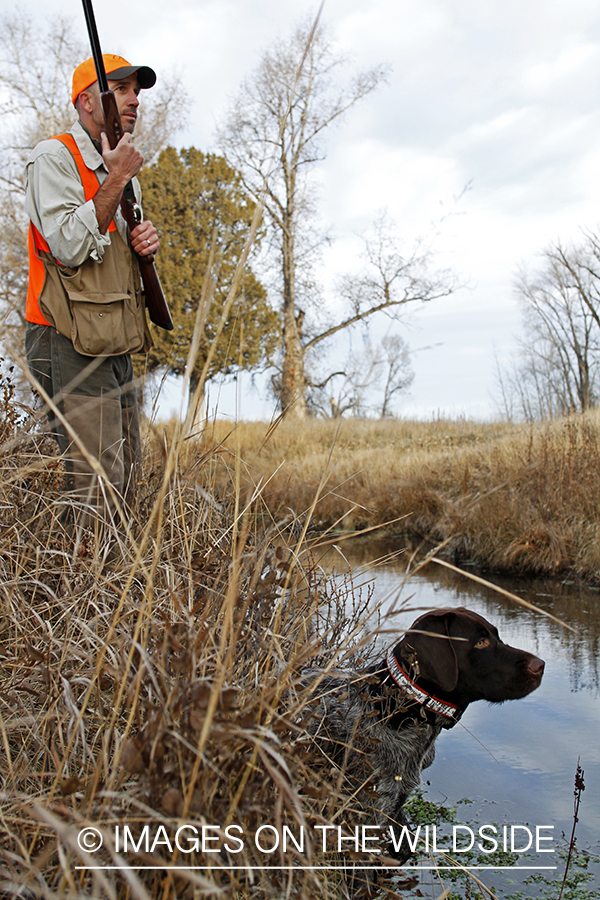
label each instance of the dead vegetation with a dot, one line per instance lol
(513, 498)
(142, 693)
(147, 696)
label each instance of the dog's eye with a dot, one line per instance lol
(482, 643)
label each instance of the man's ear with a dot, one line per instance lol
(86, 102)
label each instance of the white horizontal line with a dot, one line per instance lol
(316, 868)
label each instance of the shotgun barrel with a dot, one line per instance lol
(156, 303)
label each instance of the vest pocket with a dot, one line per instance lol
(99, 327)
(98, 306)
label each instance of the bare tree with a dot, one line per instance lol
(384, 369)
(345, 390)
(398, 371)
(558, 366)
(389, 280)
(273, 135)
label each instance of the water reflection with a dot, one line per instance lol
(517, 760)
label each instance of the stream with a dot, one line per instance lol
(515, 762)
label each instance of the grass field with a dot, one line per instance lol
(156, 690)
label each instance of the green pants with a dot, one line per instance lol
(98, 399)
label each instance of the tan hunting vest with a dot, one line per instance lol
(98, 306)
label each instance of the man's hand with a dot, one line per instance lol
(124, 162)
(144, 239)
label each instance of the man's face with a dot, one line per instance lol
(126, 92)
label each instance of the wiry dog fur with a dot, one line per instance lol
(382, 737)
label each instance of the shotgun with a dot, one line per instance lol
(155, 299)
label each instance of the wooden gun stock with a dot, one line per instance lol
(156, 303)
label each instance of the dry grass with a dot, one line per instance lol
(149, 691)
(158, 689)
(522, 499)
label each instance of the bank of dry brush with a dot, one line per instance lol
(157, 688)
(515, 498)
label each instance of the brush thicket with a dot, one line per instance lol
(156, 687)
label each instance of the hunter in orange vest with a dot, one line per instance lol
(85, 308)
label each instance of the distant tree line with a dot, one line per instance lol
(556, 370)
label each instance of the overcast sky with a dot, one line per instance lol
(502, 96)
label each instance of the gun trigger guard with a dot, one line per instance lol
(136, 213)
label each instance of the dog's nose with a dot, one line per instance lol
(536, 667)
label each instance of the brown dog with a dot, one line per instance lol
(381, 725)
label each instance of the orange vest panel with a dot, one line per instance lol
(36, 242)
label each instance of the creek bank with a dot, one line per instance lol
(521, 499)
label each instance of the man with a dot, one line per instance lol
(85, 309)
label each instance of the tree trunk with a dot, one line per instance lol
(293, 400)
(196, 428)
(293, 383)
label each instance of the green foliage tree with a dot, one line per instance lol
(197, 201)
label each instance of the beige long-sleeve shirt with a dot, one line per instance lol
(56, 204)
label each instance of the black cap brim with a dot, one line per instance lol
(146, 75)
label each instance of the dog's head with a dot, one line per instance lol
(458, 655)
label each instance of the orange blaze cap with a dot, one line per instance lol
(116, 67)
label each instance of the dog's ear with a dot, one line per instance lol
(430, 652)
